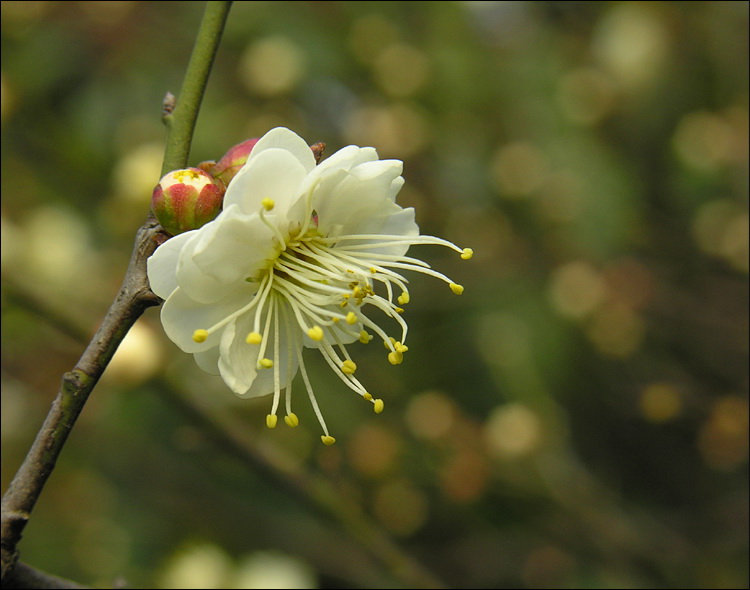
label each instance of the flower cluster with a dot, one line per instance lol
(296, 258)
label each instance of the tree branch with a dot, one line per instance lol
(24, 576)
(180, 117)
(132, 299)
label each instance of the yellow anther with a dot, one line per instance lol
(335, 320)
(271, 420)
(373, 270)
(348, 367)
(378, 406)
(357, 292)
(351, 318)
(266, 363)
(327, 440)
(200, 335)
(400, 347)
(398, 309)
(367, 396)
(467, 253)
(316, 333)
(254, 338)
(268, 204)
(395, 358)
(364, 337)
(403, 299)
(457, 289)
(291, 420)
(389, 345)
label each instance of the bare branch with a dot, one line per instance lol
(26, 577)
(132, 299)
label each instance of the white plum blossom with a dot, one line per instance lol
(296, 258)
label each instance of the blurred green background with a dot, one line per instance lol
(577, 419)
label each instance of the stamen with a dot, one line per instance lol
(310, 393)
(289, 375)
(316, 333)
(328, 440)
(403, 299)
(367, 396)
(351, 318)
(457, 289)
(348, 367)
(467, 253)
(268, 204)
(364, 337)
(266, 363)
(254, 338)
(271, 420)
(291, 420)
(273, 227)
(200, 335)
(378, 406)
(395, 358)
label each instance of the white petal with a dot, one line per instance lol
(394, 221)
(208, 360)
(181, 316)
(228, 250)
(238, 359)
(389, 169)
(238, 362)
(344, 159)
(395, 188)
(274, 174)
(283, 138)
(355, 199)
(162, 265)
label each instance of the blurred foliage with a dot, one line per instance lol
(578, 418)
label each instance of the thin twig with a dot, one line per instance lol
(181, 116)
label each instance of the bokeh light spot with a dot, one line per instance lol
(660, 402)
(512, 430)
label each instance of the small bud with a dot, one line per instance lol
(186, 199)
(231, 162)
(317, 150)
(235, 158)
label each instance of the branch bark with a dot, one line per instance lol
(133, 298)
(25, 576)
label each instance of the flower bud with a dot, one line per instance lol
(233, 160)
(186, 199)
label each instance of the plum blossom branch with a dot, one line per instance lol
(132, 299)
(269, 460)
(180, 117)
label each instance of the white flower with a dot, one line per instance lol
(296, 257)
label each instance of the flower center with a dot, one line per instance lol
(314, 293)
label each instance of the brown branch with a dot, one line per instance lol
(132, 299)
(25, 577)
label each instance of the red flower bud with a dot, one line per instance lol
(187, 199)
(233, 160)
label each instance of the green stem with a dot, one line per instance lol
(181, 121)
(131, 301)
